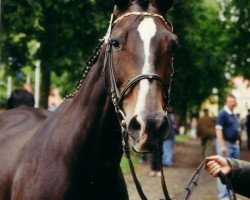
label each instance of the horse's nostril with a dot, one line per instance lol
(134, 128)
(157, 125)
(134, 124)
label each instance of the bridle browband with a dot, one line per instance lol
(138, 14)
(118, 97)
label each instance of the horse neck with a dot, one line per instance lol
(92, 126)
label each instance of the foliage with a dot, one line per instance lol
(236, 18)
(66, 31)
(200, 61)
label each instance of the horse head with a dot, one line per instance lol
(140, 46)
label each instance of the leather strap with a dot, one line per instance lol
(149, 76)
(229, 186)
(136, 181)
(126, 151)
(193, 182)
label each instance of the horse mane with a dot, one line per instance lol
(89, 63)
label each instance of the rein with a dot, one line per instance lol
(193, 182)
(126, 150)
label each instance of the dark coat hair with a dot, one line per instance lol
(20, 98)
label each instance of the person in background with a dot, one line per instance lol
(237, 171)
(168, 144)
(248, 129)
(144, 159)
(54, 99)
(206, 132)
(28, 87)
(193, 126)
(227, 137)
(155, 165)
(20, 98)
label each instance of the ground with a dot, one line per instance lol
(186, 159)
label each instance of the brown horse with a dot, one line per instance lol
(75, 152)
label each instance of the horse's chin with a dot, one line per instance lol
(144, 146)
(138, 148)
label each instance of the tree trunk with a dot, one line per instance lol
(45, 86)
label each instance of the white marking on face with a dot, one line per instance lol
(147, 30)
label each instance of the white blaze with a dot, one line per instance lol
(147, 30)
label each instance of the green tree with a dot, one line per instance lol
(66, 30)
(235, 15)
(199, 63)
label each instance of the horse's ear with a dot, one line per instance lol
(163, 5)
(121, 4)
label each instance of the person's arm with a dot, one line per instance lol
(220, 138)
(220, 121)
(237, 171)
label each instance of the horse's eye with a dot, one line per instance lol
(115, 43)
(173, 47)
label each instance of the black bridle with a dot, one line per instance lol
(118, 97)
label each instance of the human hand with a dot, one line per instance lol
(215, 164)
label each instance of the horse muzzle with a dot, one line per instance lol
(148, 131)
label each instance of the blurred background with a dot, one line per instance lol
(44, 45)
